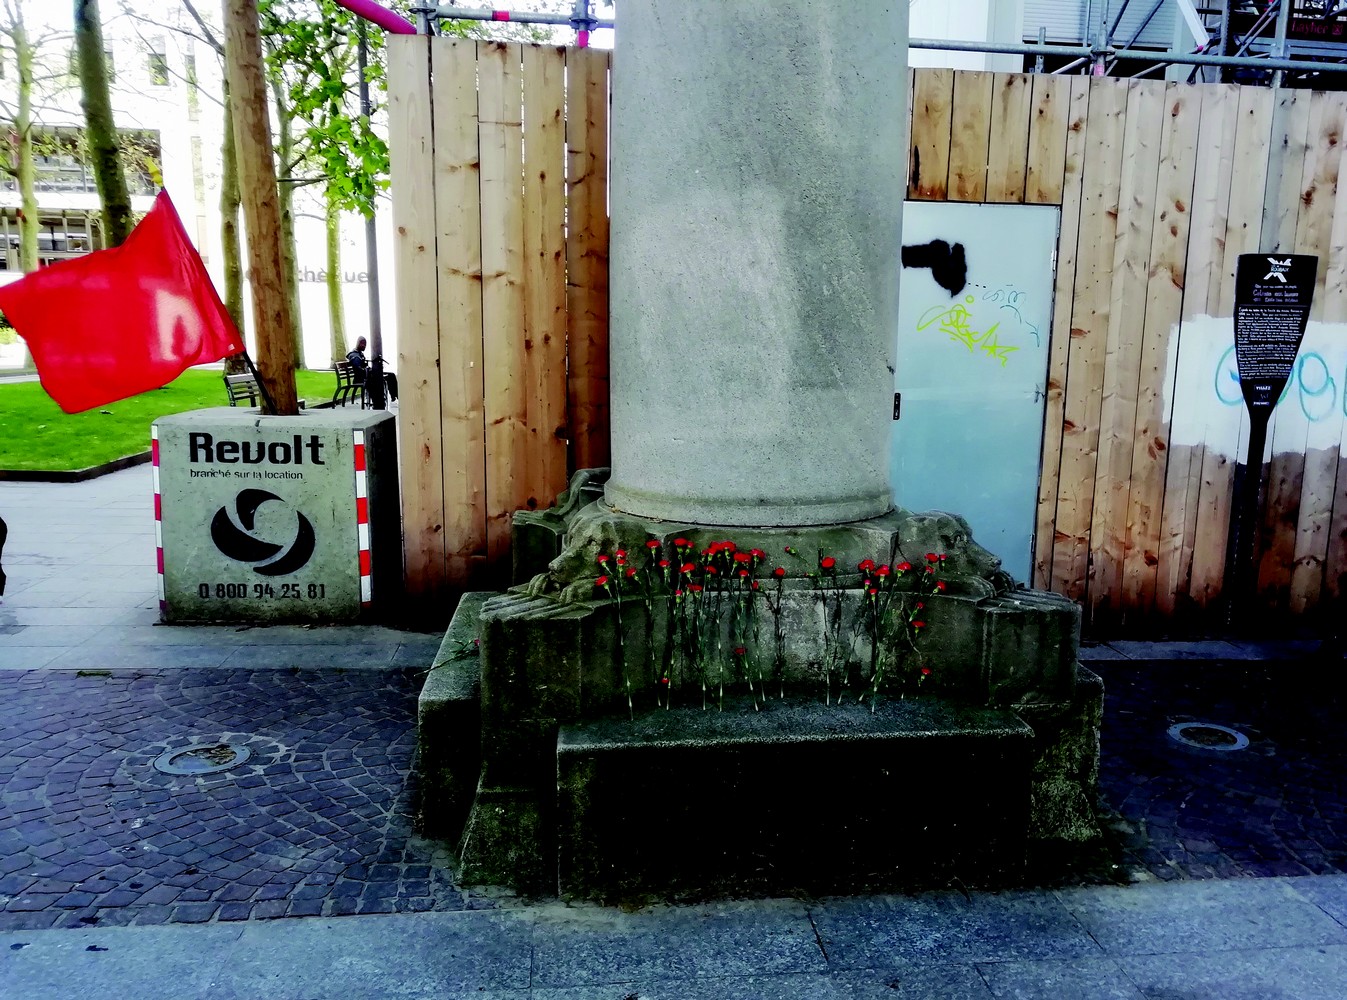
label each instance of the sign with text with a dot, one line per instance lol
(1272, 308)
(1312, 21)
(268, 519)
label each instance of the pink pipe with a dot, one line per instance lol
(381, 16)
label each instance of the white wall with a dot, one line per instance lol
(968, 21)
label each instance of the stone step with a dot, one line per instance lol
(793, 798)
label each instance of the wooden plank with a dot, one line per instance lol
(1074, 102)
(458, 225)
(932, 125)
(587, 256)
(505, 395)
(1008, 145)
(412, 173)
(1142, 139)
(1089, 333)
(544, 274)
(1326, 470)
(1202, 284)
(1221, 439)
(970, 135)
(1325, 234)
(1051, 108)
(1164, 307)
(1308, 169)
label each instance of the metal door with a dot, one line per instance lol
(971, 367)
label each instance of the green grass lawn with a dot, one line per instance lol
(39, 437)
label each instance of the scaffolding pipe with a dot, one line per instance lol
(1144, 22)
(445, 13)
(1181, 58)
(1102, 41)
(1042, 42)
(1279, 40)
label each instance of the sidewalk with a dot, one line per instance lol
(1236, 940)
(318, 825)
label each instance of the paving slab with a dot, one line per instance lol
(1308, 973)
(588, 946)
(1076, 979)
(430, 955)
(885, 931)
(145, 963)
(1211, 916)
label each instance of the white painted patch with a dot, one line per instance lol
(1202, 391)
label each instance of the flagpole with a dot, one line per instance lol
(261, 386)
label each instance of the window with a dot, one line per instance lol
(110, 66)
(193, 88)
(158, 63)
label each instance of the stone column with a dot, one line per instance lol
(759, 169)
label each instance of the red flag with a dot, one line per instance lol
(122, 321)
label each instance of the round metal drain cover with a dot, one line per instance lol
(204, 758)
(1208, 736)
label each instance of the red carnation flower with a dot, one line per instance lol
(621, 558)
(742, 557)
(827, 562)
(603, 558)
(631, 571)
(940, 585)
(754, 584)
(601, 582)
(920, 606)
(678, 593)
(743, 573)
(758, 554)
(652, 544)
(925, 671)
(919, 624)
(739, 650)
(710, 569)
(942, 557)
(779, 572)
(867, 566)
(696, 588)
(664, 680)
(873, 591)
(664, 564)
(687, 567)
(682, 543)
(882, 570)
(903, 567)
(932, 557)
(728, 546)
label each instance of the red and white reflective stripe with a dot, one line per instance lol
(158, 515)
(362, 518)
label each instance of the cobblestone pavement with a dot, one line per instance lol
(318, 821)
(1278, 807)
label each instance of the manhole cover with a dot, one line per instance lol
(1208, 736)
(205, 758)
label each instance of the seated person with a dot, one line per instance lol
(361, 368)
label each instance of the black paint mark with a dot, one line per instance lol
(948, 266)
(94, 947)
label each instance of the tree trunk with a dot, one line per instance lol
(229, 232)
(285, 150)
(335, 307)
(29, 222)
(100, 132)
(261, 210)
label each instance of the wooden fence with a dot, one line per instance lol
(499, 182)
(500, 217)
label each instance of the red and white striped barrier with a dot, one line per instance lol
(362, 519)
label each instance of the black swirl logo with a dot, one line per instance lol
(236, 536)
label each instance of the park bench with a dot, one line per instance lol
(349, 387)
(242, 387)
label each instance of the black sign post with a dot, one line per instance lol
(1272, 308)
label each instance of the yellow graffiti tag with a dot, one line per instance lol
(957, 322)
